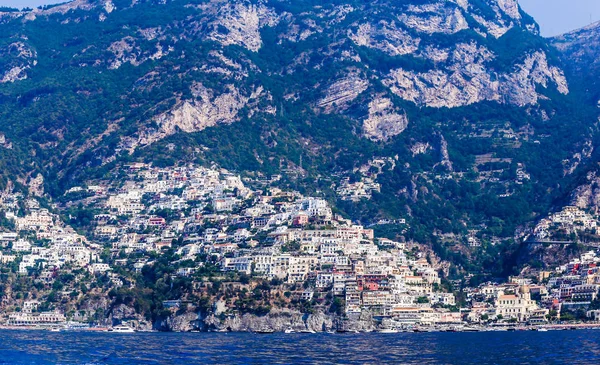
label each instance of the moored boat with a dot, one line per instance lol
(122, 329)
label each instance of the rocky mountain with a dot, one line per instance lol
(483, 124)
(579, 50)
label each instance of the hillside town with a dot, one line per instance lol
(247, 226)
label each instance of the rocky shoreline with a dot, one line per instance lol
(278, 320)
(287, 320)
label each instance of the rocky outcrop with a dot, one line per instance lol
(207, 109)
(185, 322)
(570, 165)
(434, 18)
(445, 156)
(123, 313)
(467, 79)
(124, 51)
(385, 121)
(279, 320)
(587, 195)
(519, 87)
(385, 36)
(36, 185)
(240, 23)
(340, 93)
(419, 148)
(18, 58)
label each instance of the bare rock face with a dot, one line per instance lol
(444, 154)
(419, 148)
(510, 8)
(36, 185)
(109, 7)
(434, 18)
(207, 109)
(127, 50)
(519, 87)
(343, 91)
(185, 322)
(587, 195)
(506, 16)
(124, 51)
(384, 121)
(571, 164)
(240, 23)
(385, 36)
(277, 320)
(357, 322)
(122, 313)
(467, 79)
(20, 58)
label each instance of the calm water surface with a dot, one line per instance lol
(553, 347)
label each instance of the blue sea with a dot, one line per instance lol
(553, 347)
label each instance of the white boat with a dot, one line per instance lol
(542, 330)
(388, 330)
(289, 330)
(122, 329)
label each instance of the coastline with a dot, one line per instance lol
(408, 329)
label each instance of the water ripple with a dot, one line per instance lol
(554, 347)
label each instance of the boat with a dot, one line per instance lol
(542, 329)
(98, 329)
(307, 331)
(264, 331)
(55, 329)
(122, 329)
(289, 330)
(388, 330)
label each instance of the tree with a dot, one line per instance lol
(337, 306)
(422, 300)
